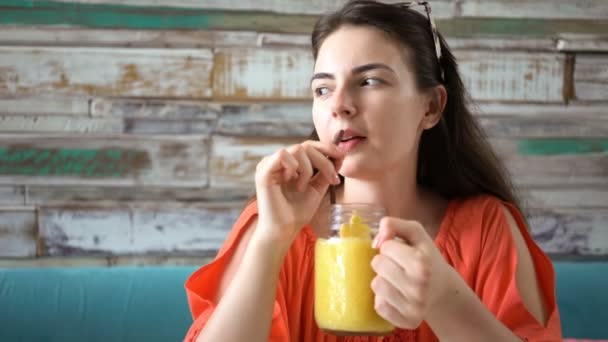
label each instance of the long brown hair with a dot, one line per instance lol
(454, 157)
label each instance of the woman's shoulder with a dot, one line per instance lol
(473, 220)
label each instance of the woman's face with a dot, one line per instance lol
(361, 83)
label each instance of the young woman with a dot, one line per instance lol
(464, 267)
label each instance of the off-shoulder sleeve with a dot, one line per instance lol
(203, 284)
(495, 281)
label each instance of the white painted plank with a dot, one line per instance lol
(262, 73)
(133, 230)
(12, 195)
(132, 38)
(585, 168)
(70, 195)
(104, 261)
(544, 127)
(56, 123)
(591, 77)
(575, 109)
(284, 74)
(571, 42)
(103, 160)
(81, 36)
(571, 233)
(441, 8)
(44, 104)
(105, 72)
(153, 109)
(17, 233)
(266, 120)
(515, 76)
(555, 197)
(545, 9)
(234, 160)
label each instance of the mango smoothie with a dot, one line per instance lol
(344, 300)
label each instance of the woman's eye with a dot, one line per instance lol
(321, 91)
(370, 81)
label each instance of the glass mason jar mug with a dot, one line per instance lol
(344, 300)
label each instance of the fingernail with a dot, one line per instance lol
(375, 242)
(336, 179)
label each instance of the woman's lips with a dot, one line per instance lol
(350, 144)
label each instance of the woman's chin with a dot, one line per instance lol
(357, 171)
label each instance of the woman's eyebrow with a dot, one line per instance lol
(356, 70)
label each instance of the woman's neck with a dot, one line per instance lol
(400, 195)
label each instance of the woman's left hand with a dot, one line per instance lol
(412, 276)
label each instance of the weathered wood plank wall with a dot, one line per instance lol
(129, 132)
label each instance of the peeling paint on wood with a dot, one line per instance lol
(17, 233)
(514, 76)
(591, 77)
(106, 72)
(538, 162)
(81, 37)
(570, 233)
(550, 9)
(135, 231)
(134, 17)
(159, 117)
(441, 8)
(563, 146)
(544, 126)
(154, 109)
(284, 74)
(262, 74)
(110, 261)
(103, 161)
(43, 104)
(266, 120)
(12, 195)
(554, 197)
(68, 195)
(234, 160)
(583, 42)
(56, 123)
(575, 109)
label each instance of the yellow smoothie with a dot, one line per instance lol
(344, 300)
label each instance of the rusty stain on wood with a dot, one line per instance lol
(569, 88)
(117, 72)
(17, 233)
(240, 74)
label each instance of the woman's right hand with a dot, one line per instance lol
(288, 191)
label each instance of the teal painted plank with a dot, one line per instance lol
(551, 147)
(103, 163)
(137, 17)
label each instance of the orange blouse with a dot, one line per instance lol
(474, 238)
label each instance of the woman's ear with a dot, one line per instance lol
(438, 97)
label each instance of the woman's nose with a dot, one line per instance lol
(343, 104)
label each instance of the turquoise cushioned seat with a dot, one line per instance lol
(149, 303)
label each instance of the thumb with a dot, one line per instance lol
(411, 232)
